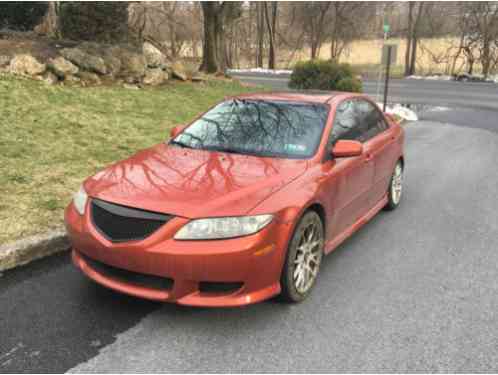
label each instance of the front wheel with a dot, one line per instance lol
(395, 187)
(304, 257)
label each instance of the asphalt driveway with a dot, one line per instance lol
(414, 290)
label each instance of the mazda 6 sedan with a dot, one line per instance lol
(242, 204)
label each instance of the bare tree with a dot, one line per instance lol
(480, 26)
(260, 33)
(271, 24)
(218, 15)
(347, 21)
(50, 23)
(314, 17)
(167, 25)
(415, 12)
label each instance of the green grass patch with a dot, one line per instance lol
(53, 137)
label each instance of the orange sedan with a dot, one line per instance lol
(241, 204)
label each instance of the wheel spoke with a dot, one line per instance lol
(300, 279)
(397, 184)
(314, 258)
(296, 271)
(311, 233)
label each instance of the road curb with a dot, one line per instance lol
(26, 250)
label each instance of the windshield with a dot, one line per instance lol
(256, 127)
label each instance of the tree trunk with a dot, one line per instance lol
(210, 43)
(409, 38)
(271, 23)
(471, 66)
(486, 57)
(221, 51)
(333, 43)
(413, 57)
(50, 24)
(334, 35)
(313, 50)
(260, 33)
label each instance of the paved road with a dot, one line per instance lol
(415, 289)
(409, 91)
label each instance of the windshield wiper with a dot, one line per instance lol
(180, 144)
(229, 150)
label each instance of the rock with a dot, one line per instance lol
(89, 78)
(84, 60)
(4, 60)
(62, 67)
(132, 64)
(178, 71)
(153, 57)
(112, 63)
(72, 79)
(155, 76)
(131, 80)
(131, 87)
(26, 64)
(50, 78)
(199, 78)
(92, 48)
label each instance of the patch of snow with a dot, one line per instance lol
(403, 112)
(435, 77)
(260, 70)
(493, 78)
(439, 109)
(439, 77)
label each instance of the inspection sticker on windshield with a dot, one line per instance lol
(295, 148)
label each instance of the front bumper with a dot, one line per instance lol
(255, 262)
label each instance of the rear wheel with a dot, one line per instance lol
(395, 187)
(304, 257)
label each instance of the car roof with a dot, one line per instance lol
(310, 96)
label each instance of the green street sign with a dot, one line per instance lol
(386, 28)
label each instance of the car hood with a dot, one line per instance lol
(193, 183)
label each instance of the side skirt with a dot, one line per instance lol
(341, 237)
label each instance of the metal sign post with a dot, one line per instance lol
(389, 56)
(386, 85)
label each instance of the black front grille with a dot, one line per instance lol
(119, 223)
(130, 277)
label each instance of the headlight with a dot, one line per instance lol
(222, 227)
(79, 200)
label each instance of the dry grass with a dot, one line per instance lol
(52, 137)
(433, 56)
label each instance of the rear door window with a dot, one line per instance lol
(371, 118)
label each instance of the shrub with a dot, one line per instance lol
(350, 84)
(20, 15)
(324, 75)
(97, 21)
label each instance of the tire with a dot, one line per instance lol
(305, 253)
(394, 193)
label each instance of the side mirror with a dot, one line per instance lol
(176, 130)
(346, 149)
